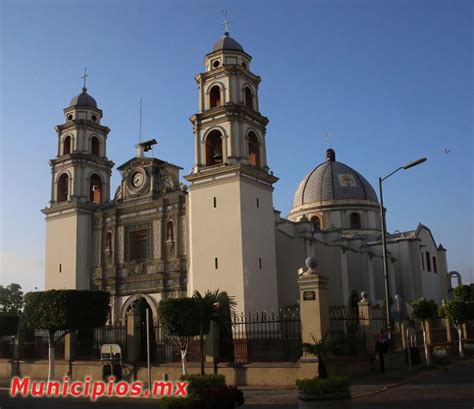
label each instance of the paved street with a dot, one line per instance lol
(451, 389)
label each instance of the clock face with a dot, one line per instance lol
(137, 179)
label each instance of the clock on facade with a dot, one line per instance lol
(137, 179)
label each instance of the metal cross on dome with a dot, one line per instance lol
(84, 77)
(328, 138)
(226, 23)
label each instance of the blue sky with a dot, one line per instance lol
(390, 80)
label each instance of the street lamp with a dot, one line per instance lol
(384, 242)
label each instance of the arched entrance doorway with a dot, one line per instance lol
(140, 305)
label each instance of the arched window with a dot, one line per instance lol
(316, 223)
(95, 146)
(248, 98)
(214, 148)
(169, 231)
(254, 149)
(63, 188)
(67, 145)
(355, 221)
(95, 189)
(215, 96)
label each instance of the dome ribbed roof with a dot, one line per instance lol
(227, 43)
(83, 100)
(333, 180)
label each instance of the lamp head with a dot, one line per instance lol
(414, 163)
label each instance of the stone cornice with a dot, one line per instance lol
(78, 158)
(229, 111)
(225, 173)
(227, 71)
(82, 124)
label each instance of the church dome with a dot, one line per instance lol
(83, 100)
(333, 180)
(227, 43)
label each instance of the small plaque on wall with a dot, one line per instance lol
(309, 295)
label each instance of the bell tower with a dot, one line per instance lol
(232, 224)
(80, 185)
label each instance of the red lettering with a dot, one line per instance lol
(121, 389)
(65, 385)
(37, 388)
(161, 386)
(76, 388)
(98, 389)
(136, 388)
(53, 384)
(181, 388)
(87, 386)
(19, 386)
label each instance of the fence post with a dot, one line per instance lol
(403, 335)
(365, 313)
(429, 333)
(212, 345)
(70, 346)
(314, 304)
(449, 335)
(133, 336)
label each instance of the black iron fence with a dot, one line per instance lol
(164, 349)
(36, 344)
(262, 337)
(89, 340)
(347, 330)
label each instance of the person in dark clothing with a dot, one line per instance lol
(381, 348)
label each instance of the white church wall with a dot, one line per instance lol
(431, 281)
(358, 272)
(290, 256)
(258, 241)
(215, 232)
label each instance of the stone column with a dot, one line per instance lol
(133, 336)
(344, 276)
(314, 303)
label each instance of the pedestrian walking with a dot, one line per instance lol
(381, 348)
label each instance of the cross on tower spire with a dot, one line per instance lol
(226, 23)
(84, 77)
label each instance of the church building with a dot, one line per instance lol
(157, 238)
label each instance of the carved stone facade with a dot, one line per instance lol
(154, 205)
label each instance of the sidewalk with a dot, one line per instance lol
(360, 388)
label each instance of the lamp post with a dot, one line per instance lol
(384, 241)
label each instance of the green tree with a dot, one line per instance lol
(423, 311)
(459, 311)
(212, 306)
(318, 349)
(9, 324)
(179, 319)
(464, 293)
(11, 299)
(65, 311)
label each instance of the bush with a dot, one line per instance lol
(338, 385)
(210, 392)
(204, 381)
(220, 397)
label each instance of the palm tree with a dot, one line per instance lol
(212, 306)
(319, 349)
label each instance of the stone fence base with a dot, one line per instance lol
(254, 374)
